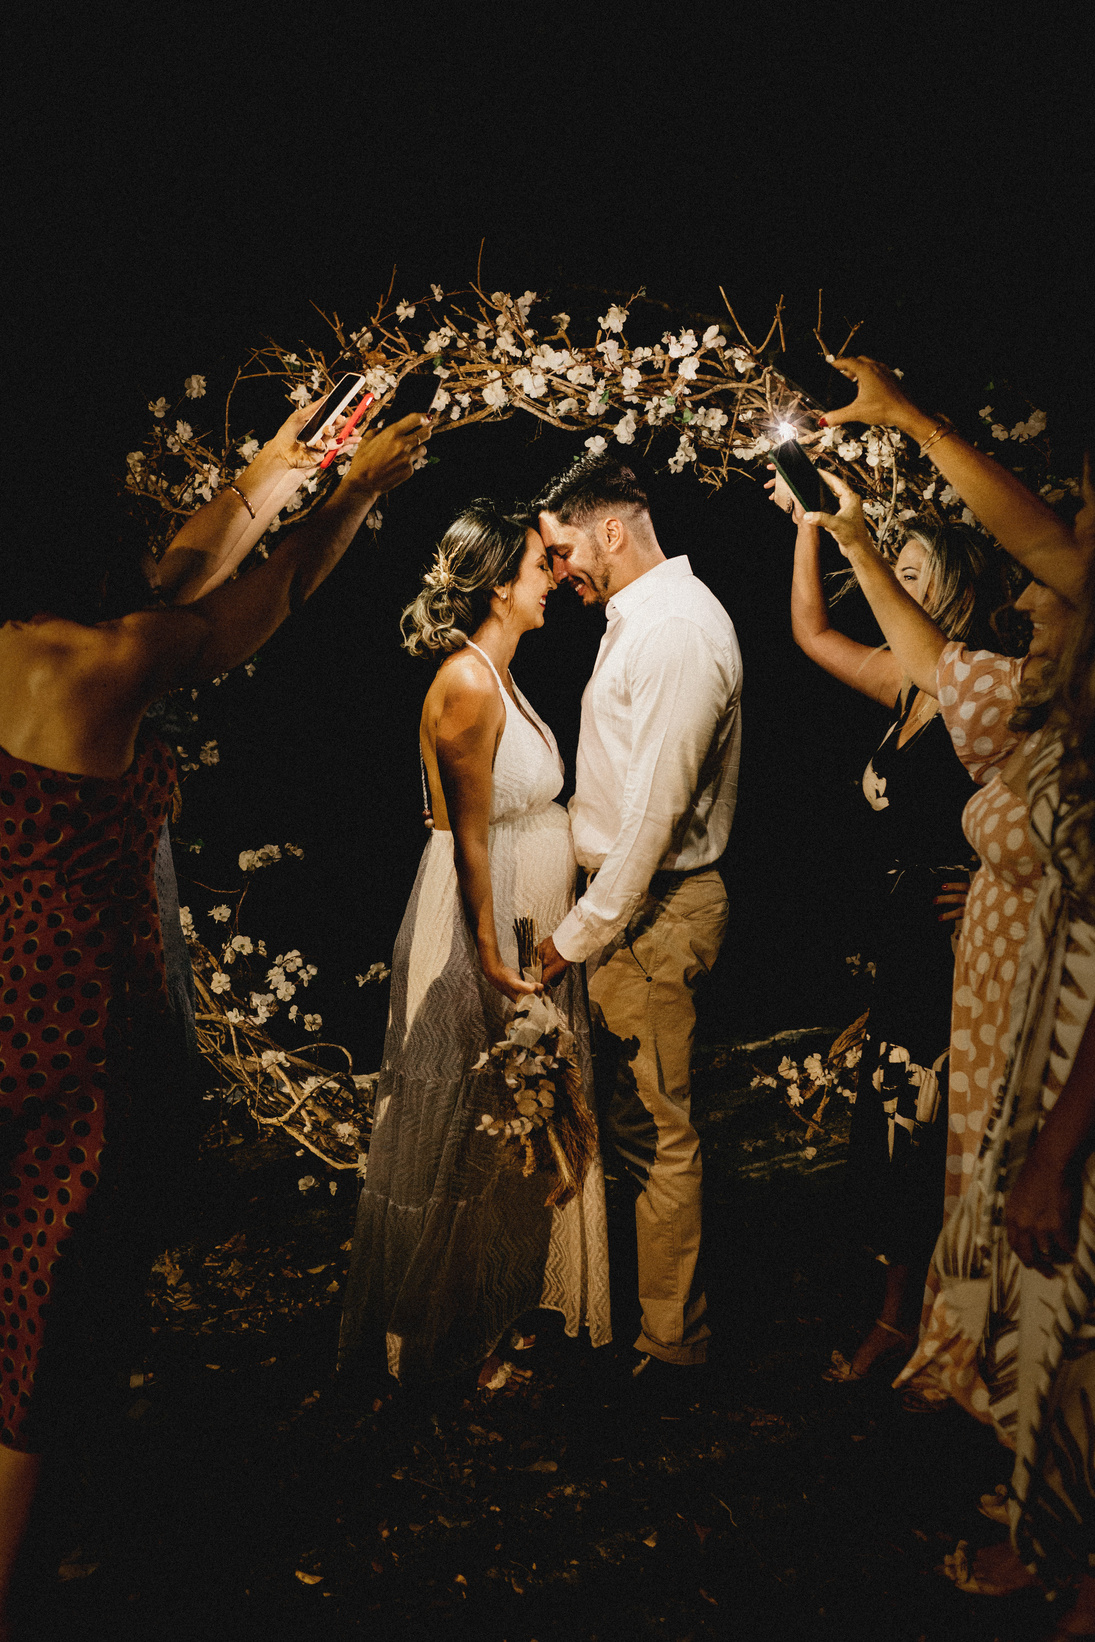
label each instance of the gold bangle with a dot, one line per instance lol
(943, 428)
(243, 499)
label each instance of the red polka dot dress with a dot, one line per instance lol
(978, 693)
(81, 986)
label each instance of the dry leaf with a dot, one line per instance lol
(651, 1539)
(308, 1579)
(543, 1465)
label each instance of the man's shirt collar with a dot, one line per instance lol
(644, 587)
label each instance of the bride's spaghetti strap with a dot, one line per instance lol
(490, 664)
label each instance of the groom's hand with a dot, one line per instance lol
(553, 965)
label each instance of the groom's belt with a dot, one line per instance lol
(662, 880)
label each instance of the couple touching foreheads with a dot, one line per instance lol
(455, 1243)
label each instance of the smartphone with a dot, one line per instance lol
(799, 475)
(416, 392)
(331, 405)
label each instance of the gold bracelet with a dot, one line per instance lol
(943, 428)
(243, 499)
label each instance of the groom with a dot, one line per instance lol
(657, 779)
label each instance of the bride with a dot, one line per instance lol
(453, 1243)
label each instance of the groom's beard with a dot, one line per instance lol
(592, 588)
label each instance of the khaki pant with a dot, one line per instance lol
(643, 1005)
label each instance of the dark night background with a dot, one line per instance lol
(188, 186)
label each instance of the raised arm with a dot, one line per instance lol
(1023, 525)
(471, 720)
(875, 673)
(916, 642)
(154, 650)
(216, 539)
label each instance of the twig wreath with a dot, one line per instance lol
(709, 398)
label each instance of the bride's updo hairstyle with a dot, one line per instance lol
(481, 550)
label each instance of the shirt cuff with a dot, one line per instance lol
(572, 940)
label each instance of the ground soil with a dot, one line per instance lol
(238, 1490)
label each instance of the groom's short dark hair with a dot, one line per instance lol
(589, 485)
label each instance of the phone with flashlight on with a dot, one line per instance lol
(797, 471)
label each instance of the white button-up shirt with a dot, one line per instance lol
(658, 753)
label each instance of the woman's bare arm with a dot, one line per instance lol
(1021, 522)
(916, 641)
(873, 672)
(471, 721)
(216, 539)
(155, 650)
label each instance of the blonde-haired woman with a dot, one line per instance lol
(453, 1243)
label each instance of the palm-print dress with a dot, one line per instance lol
(1016, 1348)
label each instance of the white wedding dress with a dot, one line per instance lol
(452, 1242)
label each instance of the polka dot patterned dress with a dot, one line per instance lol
(81, 979)
(978, 693)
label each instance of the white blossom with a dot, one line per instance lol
(581, 375)
(713, 338)
(561, 321)
(158, 407)
(615, 319)
(375, 972)
(684, 453)
(999, 431)
(220, 982)
(251, 860)
(404, 309)
(273, 1057)
(300, 395)
(186, 923)
(850, 450)
(1031, 428)
(494, 394)
(531, 383)
(438, 340)
(625, 429)
(525, 302)
(195, 387)
(306, 1182)
(688, 368)
(221, 914)
(375, 519)
(184, 431)
(986, 414)
(597, 445)
(209, 753)
(312, 1023)
(242, 943)
(679, 346)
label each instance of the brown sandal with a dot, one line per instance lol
(840, 1370)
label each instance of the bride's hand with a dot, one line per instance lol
(509, 982)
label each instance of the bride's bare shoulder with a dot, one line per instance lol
(463, 685)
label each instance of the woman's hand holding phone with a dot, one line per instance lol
(781, 495)
(387, 457)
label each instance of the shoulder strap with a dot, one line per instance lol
(489, 663)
